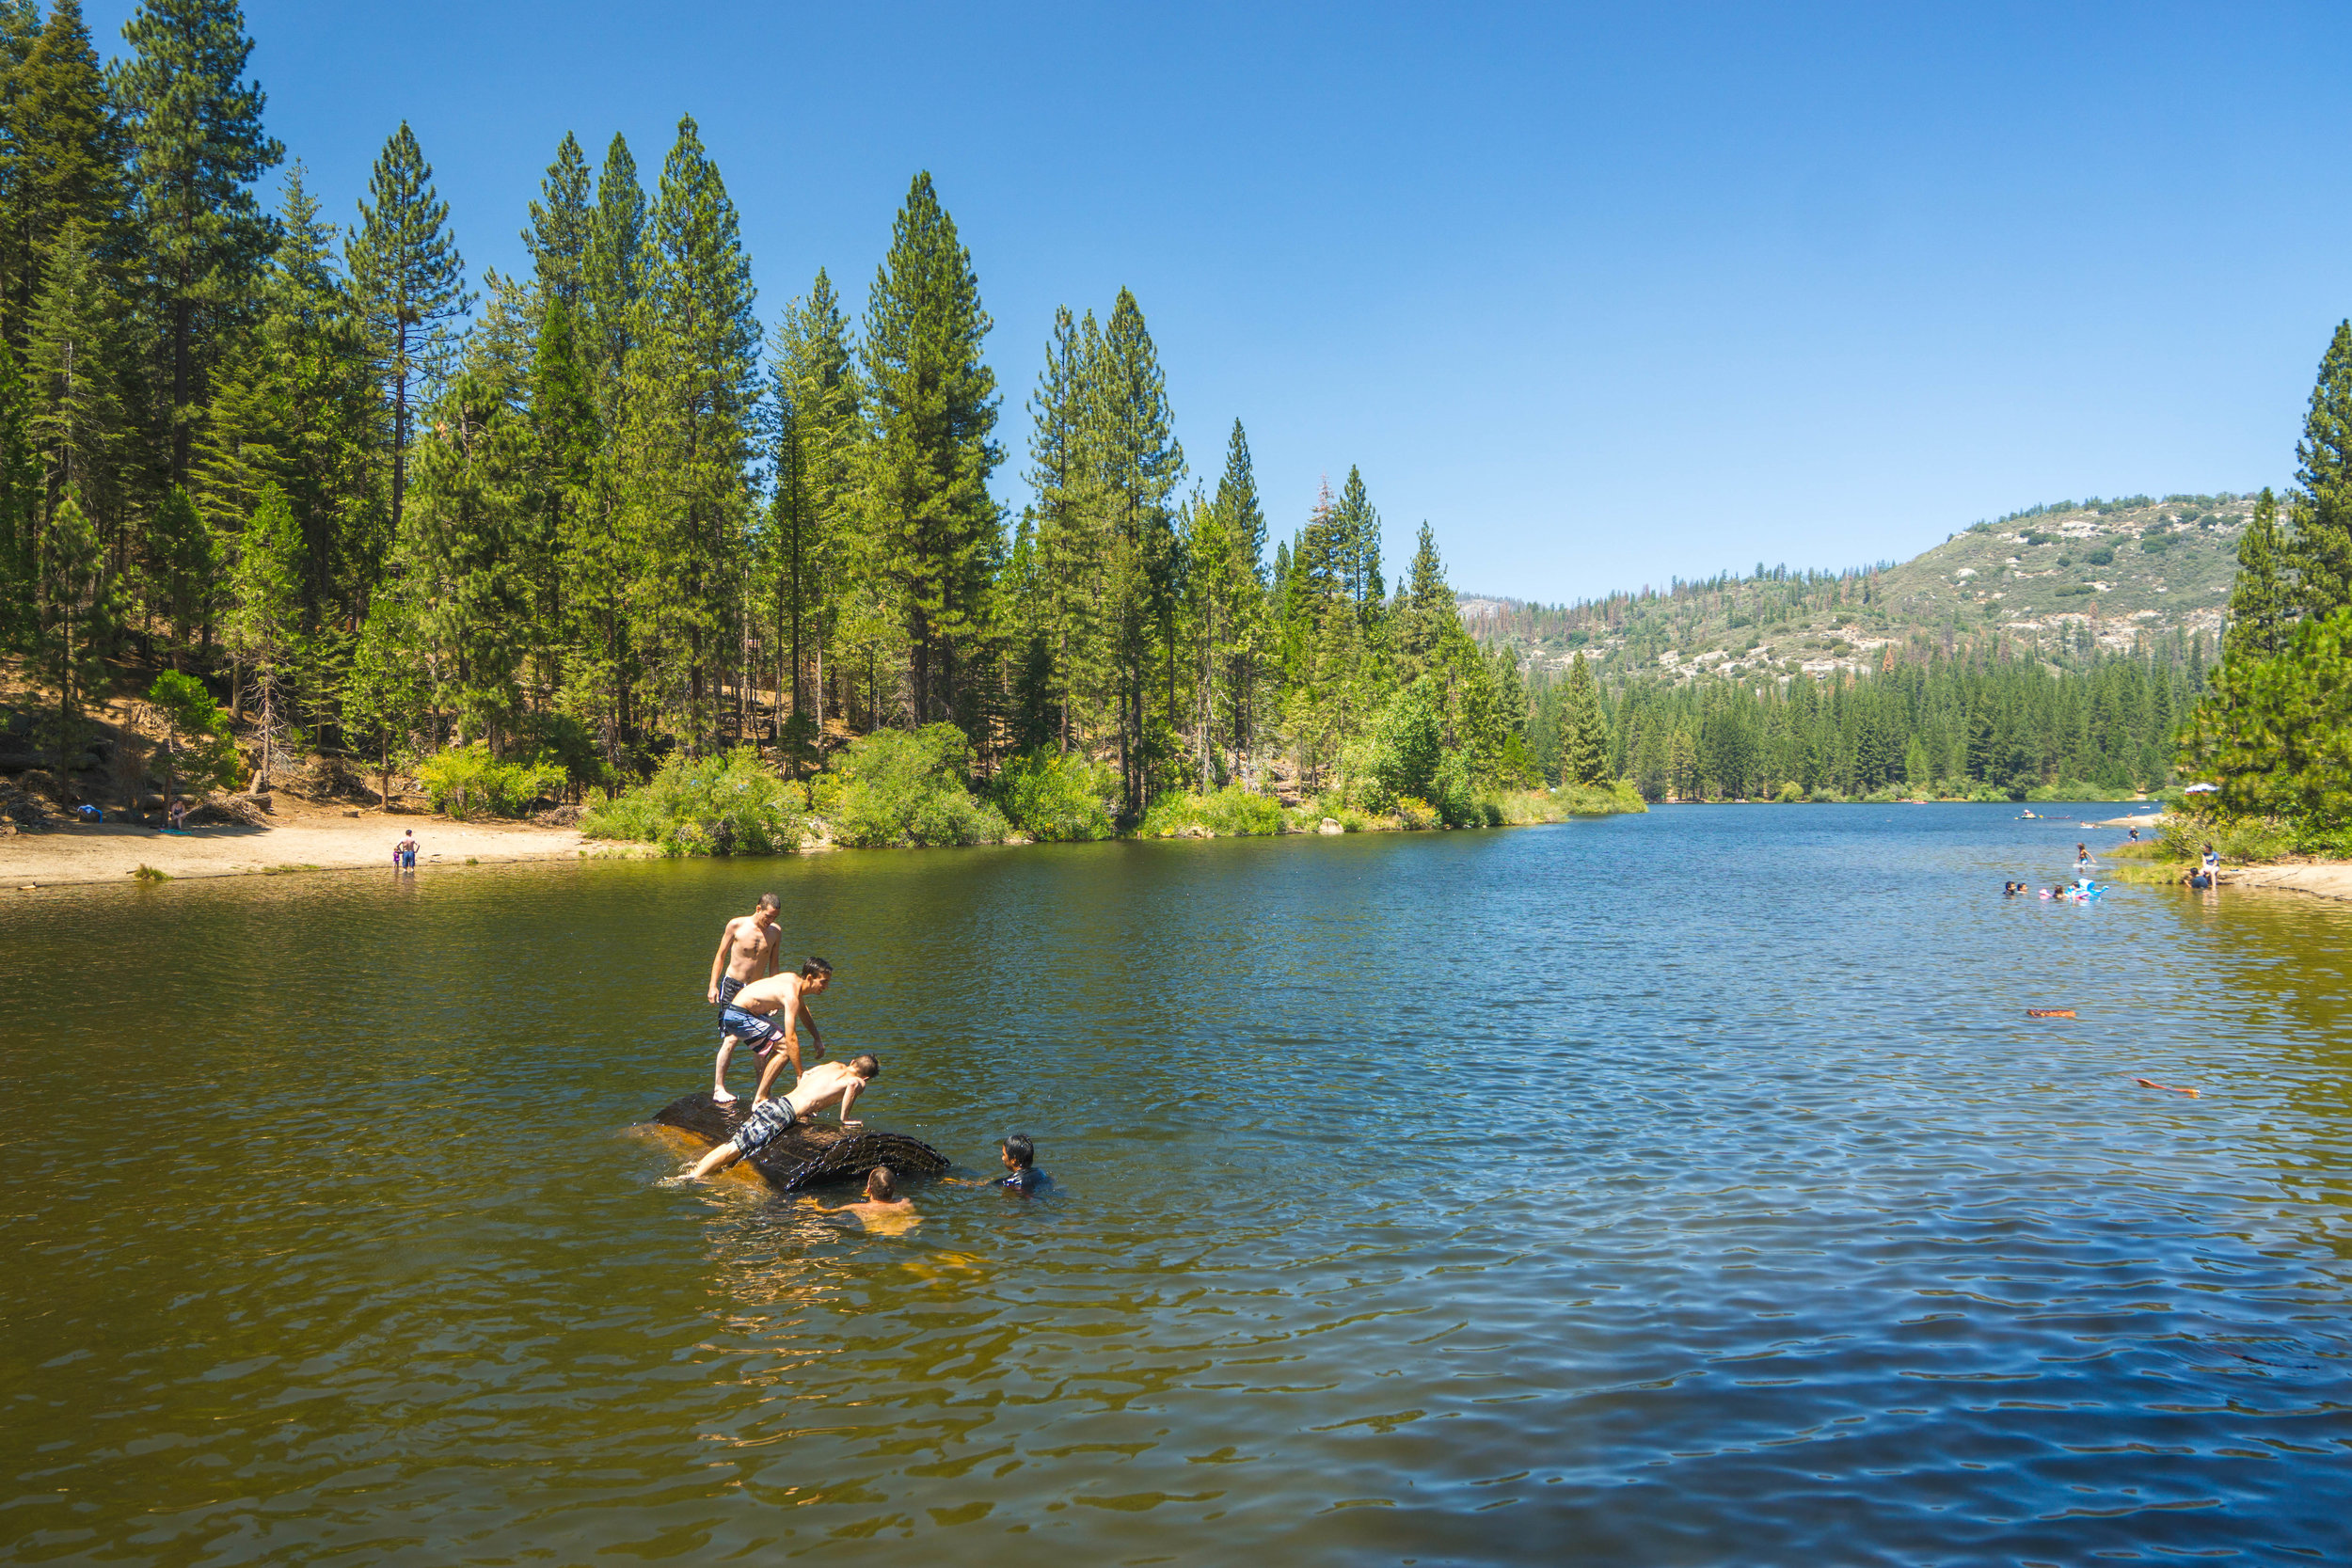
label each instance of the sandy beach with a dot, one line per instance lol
(300, 837)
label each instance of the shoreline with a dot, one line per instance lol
(300, 837)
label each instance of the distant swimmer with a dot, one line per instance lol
(1018, 1154)
(826, 1084)
(882, 1203)
(769, 1013)
(747, 952)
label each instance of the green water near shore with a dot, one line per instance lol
(1686, 1188)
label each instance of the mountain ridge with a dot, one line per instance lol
(2061, 579)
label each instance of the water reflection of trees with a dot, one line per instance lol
(2278, 999)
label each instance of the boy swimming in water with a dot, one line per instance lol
(883, 1202)
(826, 1084)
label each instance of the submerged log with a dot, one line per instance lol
(805, 1153)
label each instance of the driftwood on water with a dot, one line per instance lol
(805, 1153)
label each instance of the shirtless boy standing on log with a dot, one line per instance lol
(747, 952)
(826, 1084)
(768, 1013)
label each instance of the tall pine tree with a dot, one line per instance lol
(411, 285)
(195, 125)
(931, 410)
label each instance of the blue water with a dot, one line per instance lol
(1688, 1188)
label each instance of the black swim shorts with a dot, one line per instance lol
(768, 1118)
(728, 985)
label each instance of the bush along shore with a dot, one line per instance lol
(918, 788)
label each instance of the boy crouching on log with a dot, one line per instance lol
(826, 1084)
(768, 1015)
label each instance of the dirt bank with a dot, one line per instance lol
(2321, 879)
(300, 837)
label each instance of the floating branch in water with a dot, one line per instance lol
(2152, 1084)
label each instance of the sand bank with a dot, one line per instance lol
(300, 837)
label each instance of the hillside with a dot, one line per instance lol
(2056, 578)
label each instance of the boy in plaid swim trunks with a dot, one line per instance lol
(826, 1084)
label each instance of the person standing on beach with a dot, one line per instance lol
(747, 952)
(405, 852)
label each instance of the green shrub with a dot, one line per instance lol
(905, 788)
(715, 806)
(1229, 813)
(1057, 799)
(2244, 839)
(2155, 544)
(1415, 814)
(1789, 794)
(1407, 746)
(2103, 555)
(202, 751)
(467, 780)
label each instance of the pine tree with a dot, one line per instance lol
(297, 406)
(603, 559)
(76, 618)
(2322, 548)
(464, 545)
(2259, 616)
(265, 623)
(409, 283)
(65, 160)
(195, 134)
(614, 276)
(562, 451)
(810, 540)
(1358, 545)
(1427, 612)
(1071, 588)
(1244, 520)
(563, 229)
(180, 546)
(1140, 464)
(20, 506)
(1583, 730)
(77, 413)
(930, 409)
(689, 439)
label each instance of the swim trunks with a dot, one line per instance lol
(728, 985)
(768, 1118)
(752, 1029)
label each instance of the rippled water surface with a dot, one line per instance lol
(1680, 1189)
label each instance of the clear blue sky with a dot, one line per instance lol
(1606, 295)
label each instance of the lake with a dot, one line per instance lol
(1688, 1188)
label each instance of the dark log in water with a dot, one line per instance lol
(805, 1153)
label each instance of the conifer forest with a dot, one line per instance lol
(613, 515)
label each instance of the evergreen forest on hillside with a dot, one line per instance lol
(603, 515)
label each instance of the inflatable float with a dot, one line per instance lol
(809, 1151)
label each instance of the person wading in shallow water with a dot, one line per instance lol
(826, 1084)
(747, 952)
(405, 852)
